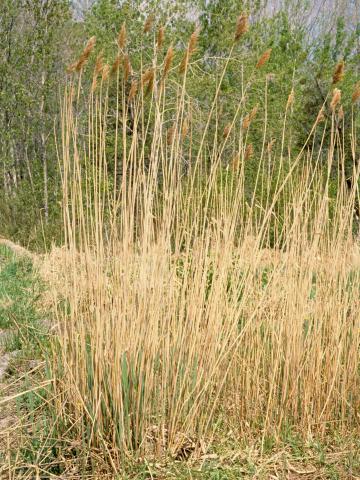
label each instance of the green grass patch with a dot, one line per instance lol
(20, 317)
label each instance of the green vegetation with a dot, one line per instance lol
(41, 39)
(20, 290)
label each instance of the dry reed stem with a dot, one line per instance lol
(341, 113)
(127, 68)
(170, 135)
(271, 144)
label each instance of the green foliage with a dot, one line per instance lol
(41, 38)
(35, 35)
(19, 291)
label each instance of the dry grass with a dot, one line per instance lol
(182, 324)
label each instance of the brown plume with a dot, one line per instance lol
(242, 26)
(116, 65)
(249, 118)
(190, 50)
(122, 37)
(338, 74)
(335, 99)
(168, 61)
(127, 67)
(264, 58)
(149, 23)
(160, 37)
(356, 93)
(249, 151)
(133, 90)
(84, 57)
(227, 130)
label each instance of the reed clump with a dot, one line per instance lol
(194, 307)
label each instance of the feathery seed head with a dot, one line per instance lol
(227, 130)
(291, 99)
(338, 74)
(170, 135)
(249, 118)
(168, 60)
(185, 129)
(190, 50)
(105, 72)
(122, 37)
(98, 64)
(97, 70)
(320, 117)
(335, 99)
(84, 57)
(148, 80)
(235, 162)
(356, 93)
(127, 67)
(147, 76)
(242, 26)
(116, 65)
(71, 68)
(133, 90)
(149, 23)
(160, 37)
(249, 151)
(264, 58)
(184, 62)
(193, 41)
(271, 145)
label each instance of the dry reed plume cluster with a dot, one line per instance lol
(182, 323)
